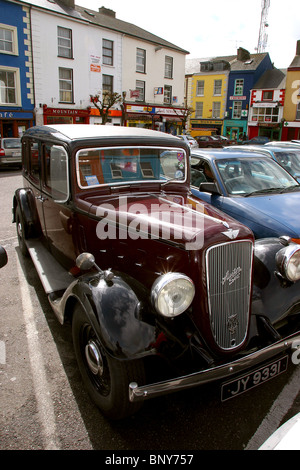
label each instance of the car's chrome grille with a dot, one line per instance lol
(228, 268)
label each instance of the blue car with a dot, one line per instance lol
(249, 187)
(287, 156)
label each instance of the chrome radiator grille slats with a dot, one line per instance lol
(228, 268)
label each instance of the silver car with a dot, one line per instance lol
(10, 152)
(189, 140)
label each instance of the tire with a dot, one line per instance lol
(21, 232)
(108, 384)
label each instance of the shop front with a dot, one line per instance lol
(15, 123)
(65, 115)
(235, 129)
(206, 127)
(161, 118)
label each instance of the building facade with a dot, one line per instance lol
(291, 112)
(267, 104)
(16, 70)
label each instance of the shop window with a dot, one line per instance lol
(141, 60)
(107, 52)
(64, 39)
(65, 85)
(298, 112)
(10, 86)
(8, 39)
(168, 67)
(265, 114)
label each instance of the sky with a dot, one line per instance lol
(207, 28)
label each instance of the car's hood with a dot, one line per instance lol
(178, 219)
(278, 210)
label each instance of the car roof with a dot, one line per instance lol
(219, 154)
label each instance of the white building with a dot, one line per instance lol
(79, 53)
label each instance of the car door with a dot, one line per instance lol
(58, 217)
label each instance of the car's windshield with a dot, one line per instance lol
(117, 165)
(253, 175)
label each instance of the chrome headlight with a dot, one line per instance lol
(172, 294)
(288, 262)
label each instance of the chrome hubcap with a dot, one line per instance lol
(94, 358)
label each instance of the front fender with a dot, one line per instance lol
(115, 308)
(273, 297)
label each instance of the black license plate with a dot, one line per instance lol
(253, 379)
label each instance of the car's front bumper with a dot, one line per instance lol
(226, 371)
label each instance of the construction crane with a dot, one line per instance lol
(263, 36)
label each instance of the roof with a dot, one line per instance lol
(274, 78)
(104, 20)
(129, 29)
(251, 64)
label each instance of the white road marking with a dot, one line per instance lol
(277, 412)
(44, 402)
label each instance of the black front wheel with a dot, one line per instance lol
(106, 378)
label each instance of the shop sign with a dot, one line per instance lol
(95, 63)
(15, 115)
(238, 98)
(158, 90)
(66, 112)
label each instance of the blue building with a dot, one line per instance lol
(245, 70)
(16, 70)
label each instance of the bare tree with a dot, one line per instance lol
(104, 105)
(184, 115)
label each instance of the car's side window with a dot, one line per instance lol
(31, 159)
(56, 172)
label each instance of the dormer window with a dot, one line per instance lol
(267, 95)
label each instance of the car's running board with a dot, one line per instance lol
(53, 276)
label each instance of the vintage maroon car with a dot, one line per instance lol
(163, 291)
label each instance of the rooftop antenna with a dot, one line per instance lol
(263, 36)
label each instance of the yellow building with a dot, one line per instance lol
(206, 92)
(291, 112)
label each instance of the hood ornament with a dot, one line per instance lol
(232, 234)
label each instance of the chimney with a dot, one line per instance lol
(243, 54)
(298, 47)
(68, 3)
(107, 12)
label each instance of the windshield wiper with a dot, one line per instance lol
(266, 190)
(295, 187)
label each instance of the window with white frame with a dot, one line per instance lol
(237, 110)
(141, 60)
(140, 87)
(217, 87)
(199, 110)
(10, 93)
(200, 88)
(216, 110)
(65, 85)
(239, 87)
(167, 94)
(107, 52)
(168, 67)
(8, 39)
(64, 40)
(265, 114)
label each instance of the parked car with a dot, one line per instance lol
(163, 291)
(259, 140)
(10, 152)
(286, 437)
(288, 158)
(188, 139)
(250, 187)
(225, 140)
(3, 257)
(208, 141)
(282, 143)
